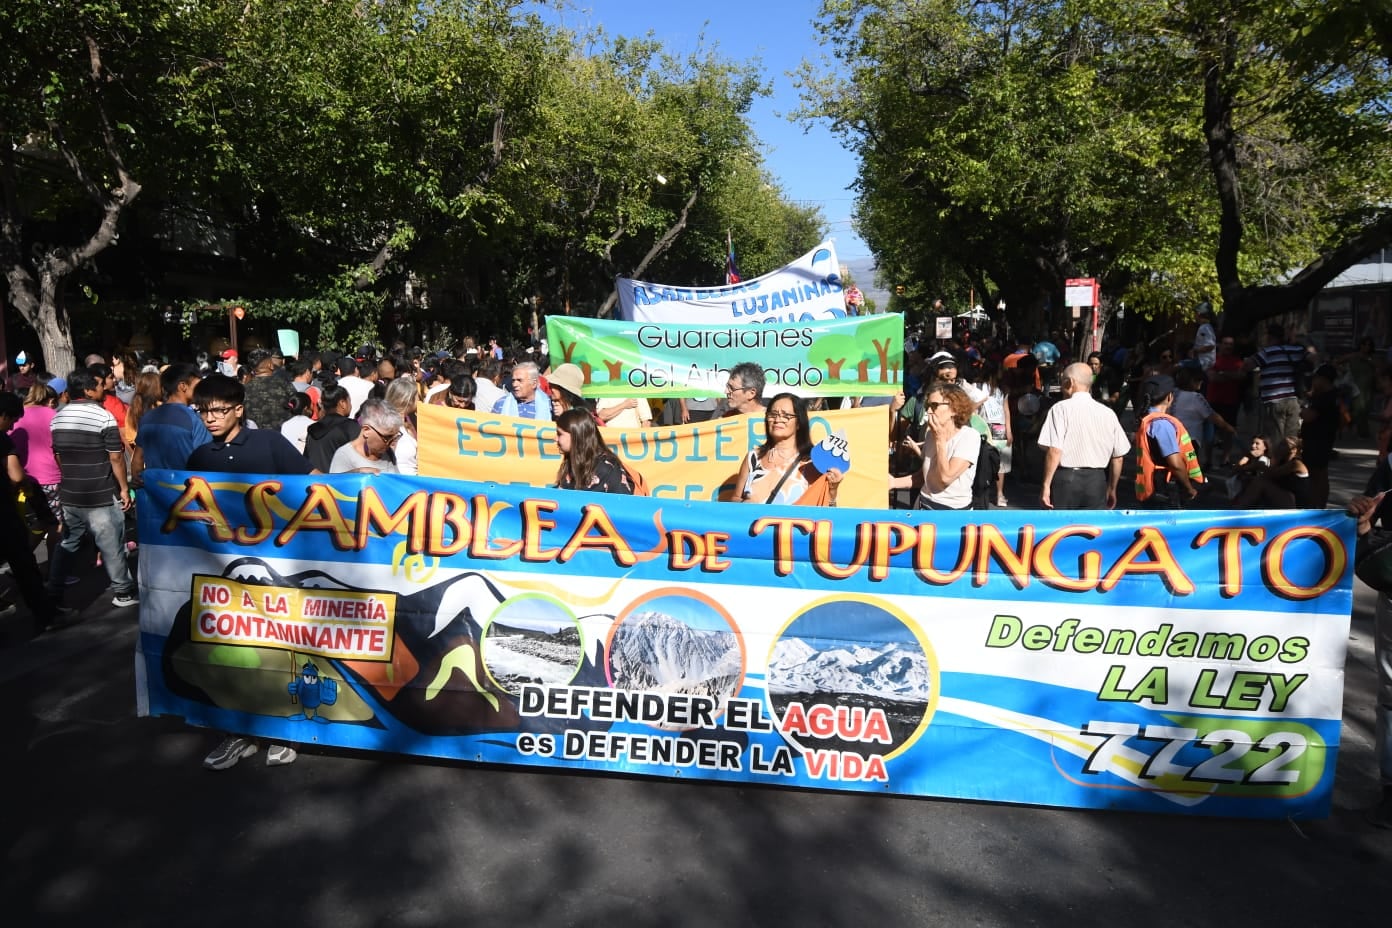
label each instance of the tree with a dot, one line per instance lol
(86, 114)
(1171, 149)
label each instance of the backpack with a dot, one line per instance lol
(988, 461)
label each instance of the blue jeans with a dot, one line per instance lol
(107, 525)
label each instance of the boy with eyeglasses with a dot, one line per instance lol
(236, 449)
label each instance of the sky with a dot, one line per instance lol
(812, 166)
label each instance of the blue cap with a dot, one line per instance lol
(59, 384)
(22, 358)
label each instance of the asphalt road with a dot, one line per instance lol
(109, 821)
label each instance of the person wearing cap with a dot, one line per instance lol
(24, 379)
(1319, 427)
(268, 398)
(227, 363)
(1281, 365)
(1165, 454)
(940, 368)
(1084, 445)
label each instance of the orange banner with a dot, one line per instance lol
(696, 461)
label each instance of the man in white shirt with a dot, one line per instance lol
(1084, 445)
(487, 393)
(1205, 339)
(358, 388)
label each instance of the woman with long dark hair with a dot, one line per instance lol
(586, 462)
(781, 470)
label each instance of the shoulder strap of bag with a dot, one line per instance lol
(796, 462)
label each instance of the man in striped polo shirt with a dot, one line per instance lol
(92, 487)
(1281, 367)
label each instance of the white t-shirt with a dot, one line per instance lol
(487, 393)
(405, 452)
(1205, 345)
(296, 428)
(358, 391)
(965, 446)
(629, 418)
(347, 459)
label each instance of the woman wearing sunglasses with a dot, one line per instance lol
(950, 449)
(371, 452)
(780, 470)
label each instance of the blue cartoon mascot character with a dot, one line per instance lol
(313, 691)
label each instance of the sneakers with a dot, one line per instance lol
(71, 581)
(228, 752)
(122, 600)
(278, 755)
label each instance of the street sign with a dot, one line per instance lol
(1080, 291)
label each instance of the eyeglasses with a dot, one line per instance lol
(389, 441)
(458, 402)
(932, 407)
(780, 416)
(218, 411)
(732, 388)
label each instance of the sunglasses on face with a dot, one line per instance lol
(388, 441)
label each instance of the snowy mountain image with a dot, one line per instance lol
(892, 670)
(516, 655)
(654, 651)
(888, 677)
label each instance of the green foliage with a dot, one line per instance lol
(1011, 145)
(465, 142)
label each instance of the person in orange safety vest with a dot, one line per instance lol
(1164, 452)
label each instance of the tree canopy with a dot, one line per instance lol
(465, 145)
(1172, 149)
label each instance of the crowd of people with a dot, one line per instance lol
(1203, 424)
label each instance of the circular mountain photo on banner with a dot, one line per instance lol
(677, 642)
(870, 694)
(532, 638)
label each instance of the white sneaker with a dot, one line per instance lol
(229, 752)
(278, 755)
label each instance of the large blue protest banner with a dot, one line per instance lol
(1165, 662)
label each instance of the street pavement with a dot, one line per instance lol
(108, 820)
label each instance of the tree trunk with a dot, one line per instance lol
(660, 246)
(36, 277)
